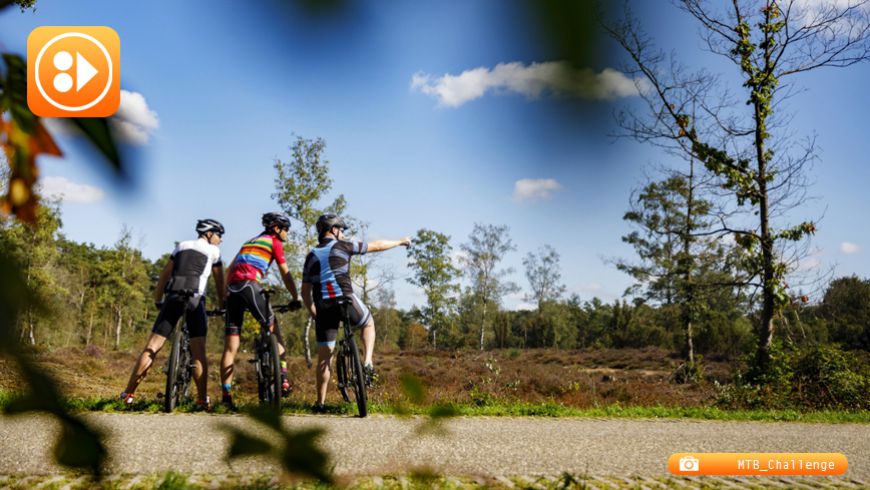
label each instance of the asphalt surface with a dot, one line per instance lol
(490, 446)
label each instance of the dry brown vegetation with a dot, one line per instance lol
(584, 378)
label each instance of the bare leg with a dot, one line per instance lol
(368, 339)
(231, 347)
(146, 359)
(324, 356)
(200, 367)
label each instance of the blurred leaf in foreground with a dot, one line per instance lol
(297, 452)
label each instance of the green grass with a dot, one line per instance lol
(498, 409)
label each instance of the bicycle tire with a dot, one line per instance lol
(185, 376)
(170, 397)
(341, 371)
(358, 380)
(275, 372)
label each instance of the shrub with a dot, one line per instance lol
(811, 376)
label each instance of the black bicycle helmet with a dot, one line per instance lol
(275, 219)
(328, 221)
(204, 226)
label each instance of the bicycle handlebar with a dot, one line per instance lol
(216, 312)
(291, 306)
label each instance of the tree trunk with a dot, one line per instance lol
(768, 309)
(89, 332)
(30, 336)
(689, 299)
(482, 325)
(118, 330)
(765, 331)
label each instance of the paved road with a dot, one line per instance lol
(196, 443)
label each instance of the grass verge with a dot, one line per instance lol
(497, 409)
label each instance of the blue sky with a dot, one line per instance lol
(223, 89)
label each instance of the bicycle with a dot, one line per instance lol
(348, 366)
(179, 366)
(267, 358)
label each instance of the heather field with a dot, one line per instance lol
(572, 378)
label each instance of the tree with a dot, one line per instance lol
(485, 248)
(301, 185)
(127, 281)
(544, 274)
(679, 264)
(434, 272)
(33, 247)
(846, 308)
(751, 152)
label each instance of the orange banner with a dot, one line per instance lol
(794, 464)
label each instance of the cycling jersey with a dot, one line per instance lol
(192, 261)
(327, 268)
(255, 257)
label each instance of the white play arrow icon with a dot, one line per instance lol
(84, 71)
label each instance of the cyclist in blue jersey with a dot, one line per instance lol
(325, 278)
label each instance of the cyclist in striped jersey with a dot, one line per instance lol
(244, 293)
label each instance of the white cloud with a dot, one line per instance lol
(134, 122)
(533, 80)
(62, 188)
(849, 248)
(534, 189)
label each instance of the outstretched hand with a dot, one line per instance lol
(405, 242)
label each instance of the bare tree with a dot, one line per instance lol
(747, 146)
(369, 273)
(543, 273)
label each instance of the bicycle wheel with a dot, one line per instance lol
(185, 376)
(170, 397)
(358, 380)
(341, 371)
(274, 385)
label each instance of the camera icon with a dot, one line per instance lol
(689, 463)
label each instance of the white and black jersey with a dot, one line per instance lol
(192, 261)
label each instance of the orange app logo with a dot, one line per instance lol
(73, 71)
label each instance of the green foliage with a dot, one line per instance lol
(486, 247)
(811, 376)
(846, 310)
(174, 481)
(434, 272)
(25, 4)
(689, 372)
(301, 185)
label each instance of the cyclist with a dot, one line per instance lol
(245, 293)
(181, 287)
(325, 277)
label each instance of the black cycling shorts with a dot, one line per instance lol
(329, 314)
(173, 308)
(247, 296)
